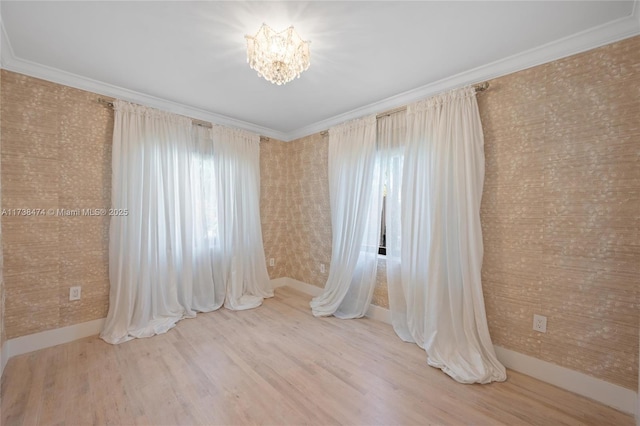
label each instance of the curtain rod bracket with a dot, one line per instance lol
(106, 102)
(481, 87)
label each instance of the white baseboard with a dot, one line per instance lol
(46, 339)
(279, 282)
(380, 314)
(302, 287)
(615, 396)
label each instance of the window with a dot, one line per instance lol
(382, 245)
(391, 204)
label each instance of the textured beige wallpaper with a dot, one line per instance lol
(275, 174)
(560, 211)
(296, 219)
(56, 154)
(309, 215)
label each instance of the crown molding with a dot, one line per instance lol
(592, 38)
(6, 50)
(10, 62)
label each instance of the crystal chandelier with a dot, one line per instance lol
(278, 57)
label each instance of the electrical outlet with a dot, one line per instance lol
(322, 268)
(74, 293)
(272, 262)
(540, 323)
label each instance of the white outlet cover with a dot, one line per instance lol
(75, 293)
(540, 323)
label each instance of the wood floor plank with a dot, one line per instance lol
(273, 365)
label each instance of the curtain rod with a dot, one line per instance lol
(194, 121)
(200, 123)
(481, 87)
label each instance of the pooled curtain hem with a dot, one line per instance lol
(155, 327)
(163, 325)
(342, 315)
(246, 302)
(495, 376)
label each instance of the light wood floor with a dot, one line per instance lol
(273, 365)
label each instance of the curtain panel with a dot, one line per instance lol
(187, 242)
(440, 304)
(356, 204)
(237, 180)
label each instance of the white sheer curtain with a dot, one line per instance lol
(441, 290)
(237, 166)
(169, 257)
(356, 204)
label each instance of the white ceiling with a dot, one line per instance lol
(190, 56)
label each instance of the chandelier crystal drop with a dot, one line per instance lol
(278, 57)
